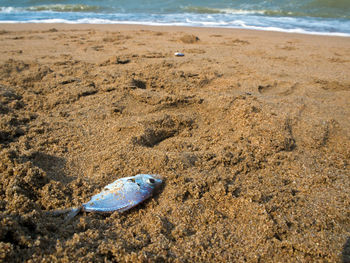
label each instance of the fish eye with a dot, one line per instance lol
(151, 180)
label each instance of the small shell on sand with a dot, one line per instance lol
(178, 54)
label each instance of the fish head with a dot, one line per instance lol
(149, 181)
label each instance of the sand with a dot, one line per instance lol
(250, 130)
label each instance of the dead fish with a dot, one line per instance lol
(121, 195)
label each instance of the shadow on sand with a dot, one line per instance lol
(53, 166)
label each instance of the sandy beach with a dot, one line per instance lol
(250, 130)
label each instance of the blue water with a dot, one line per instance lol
(325, 17)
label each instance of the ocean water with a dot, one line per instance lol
(324, 17)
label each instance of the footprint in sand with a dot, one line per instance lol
(238, 41)
(278, 88)
(333, 85)
(189, 39)
(97, 48)
(162, 128)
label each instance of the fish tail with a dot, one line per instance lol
(72, 214)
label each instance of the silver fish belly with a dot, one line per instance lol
(121, 195)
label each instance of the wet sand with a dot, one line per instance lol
(251, 131)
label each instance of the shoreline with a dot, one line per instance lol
(165, 27)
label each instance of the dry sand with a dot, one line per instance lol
(251, 131)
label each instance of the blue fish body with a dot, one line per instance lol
(123, 194)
